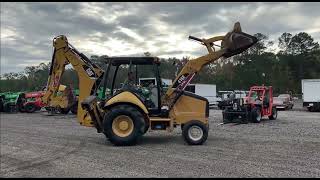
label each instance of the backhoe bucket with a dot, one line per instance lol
(236, 41)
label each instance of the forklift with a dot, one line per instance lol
(252, 108)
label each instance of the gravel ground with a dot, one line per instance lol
(38, 145)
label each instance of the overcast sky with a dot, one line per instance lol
(123, 29)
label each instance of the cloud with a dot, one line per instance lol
(124, 29)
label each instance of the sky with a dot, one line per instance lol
(132, 28)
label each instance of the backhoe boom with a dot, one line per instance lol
(89, 74)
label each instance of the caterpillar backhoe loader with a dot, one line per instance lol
(124, 115)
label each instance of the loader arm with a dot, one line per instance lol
(232, 43)
(89, 75)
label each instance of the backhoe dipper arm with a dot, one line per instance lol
(89, 74)
(232, 43)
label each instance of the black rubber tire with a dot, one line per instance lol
(22, 108)
(181, 126)
(146, 127)
(254, 115)
(6, 107)
(291, 107)
(30, 108)
(9, 108)
(1, 107)
(274, 114)
(189, 140)
(138, 123)
(311, 109)
(64, 110)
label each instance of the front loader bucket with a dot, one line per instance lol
(236, 42)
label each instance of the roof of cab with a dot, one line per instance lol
(116, 61)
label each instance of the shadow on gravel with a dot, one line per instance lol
(263, 121)
(152, 140)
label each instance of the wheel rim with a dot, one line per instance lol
(195, 133)
(122, 126)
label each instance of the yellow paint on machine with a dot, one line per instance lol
(189, 108)
(127, 97)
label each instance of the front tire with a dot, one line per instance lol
(146, 127)
(256, 115)
(123, 125)
(195, 132)
(274, 114)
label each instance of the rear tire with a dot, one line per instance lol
(22, 108)
(274, 114)
(256, 115)
(123, 125)
(311, 109)
(30, 108)
(192, 138)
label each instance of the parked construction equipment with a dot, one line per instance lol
(11, 101)
(252, 108)
(32, 102)
(124, 116)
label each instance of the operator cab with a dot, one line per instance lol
(139, 75)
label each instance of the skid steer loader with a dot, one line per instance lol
(124, 115)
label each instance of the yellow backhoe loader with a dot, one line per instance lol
(63, 100)
(124, 114)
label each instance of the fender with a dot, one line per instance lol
(126, 97)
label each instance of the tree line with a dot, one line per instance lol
(298, 58)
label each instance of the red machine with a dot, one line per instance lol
(257, 104)
(33, 101)
(260, 99)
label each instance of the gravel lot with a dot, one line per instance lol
(38, 145)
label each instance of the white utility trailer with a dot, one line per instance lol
(311, 94)
(208, 91)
